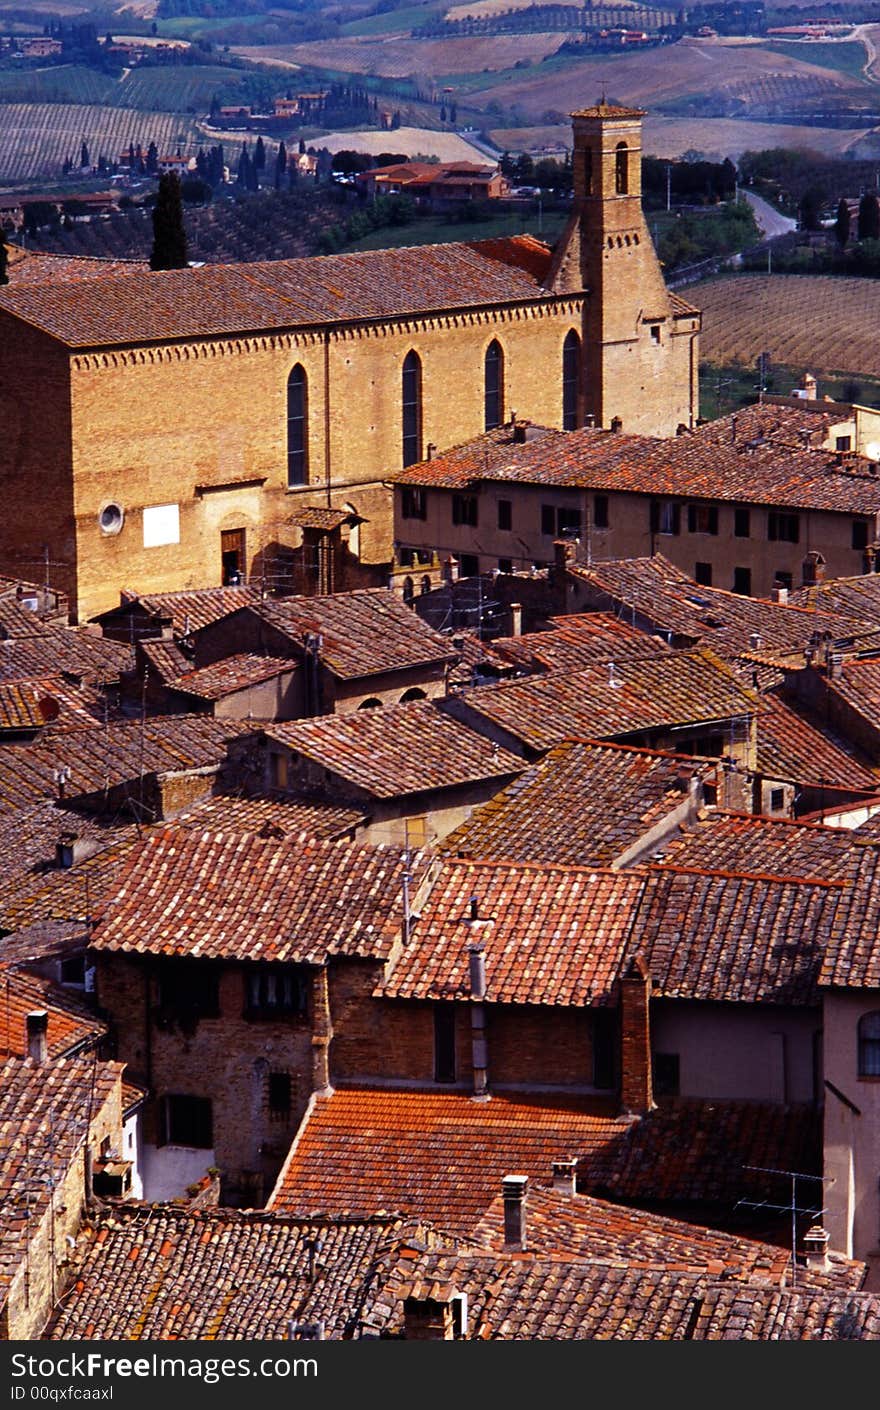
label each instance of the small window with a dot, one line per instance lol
(742, 581)
(273, 991)
(777, 800)
(73, 971)
(297, 427)
(494, 386)
(416, 830)
(860, 533)
(279, 1093)
(444, 1043)
(655, 332)
(505, 514)
(548, 520)
(468, 565)
(869, 1045)
(702, 519)
(600, 511)
(571, 376)
(783, 528)
(424, 585)
(665, 517)
(568, 523)
(189, 989)
(413, 503)
(783, 579)
(741, 523)
(187, 1121)
(280, 769)
(464, 509)
(411, 394)
(621, 169)
(667, 1077)
(505, 565)
(843, 443)
(703, 574)
(409, 589)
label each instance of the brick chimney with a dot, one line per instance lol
(636, 1088)
(516, 619)
(37, 1022)
(477, 984)
(565, 1176)
(779, 593)
(816, 1248)
(515, 1189)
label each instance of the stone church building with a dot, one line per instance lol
(183, 428)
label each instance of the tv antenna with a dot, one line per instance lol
(792, 1208)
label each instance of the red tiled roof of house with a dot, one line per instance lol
(165, 660)
(852, 955)
(218, 299)
(794, 748)
(232, 674)
(858, 685)
(512, 1297)
(20, 707)
(211, 895)
(235, 1274)
(316, 517)
(563, 935)
(400, 749)
(856, 597)
(67, 897)
(37, 267)
(577, 640)
(71, 1025)
(77, 651)
(187, 611)
(271, 815)
(584, 803)
(604, 701)
(778, 846)
(363, 633)
(583, 1227)
(441, 1156)
(18, 621)
(754, 456)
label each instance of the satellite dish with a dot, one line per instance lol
(49, 708)
(872, 450)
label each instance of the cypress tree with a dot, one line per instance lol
(841, 224)
(280, 165)
(169, 236)
(869, 217)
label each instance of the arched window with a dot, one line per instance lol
(571, 376)
(371, 703)
(621, 169)
(425, 585)
(414, 693)
(494, 383)
(409, 589)
(869, 1045)
(412, 408)
(297, 427)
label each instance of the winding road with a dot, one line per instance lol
(769, 221)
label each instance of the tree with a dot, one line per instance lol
(169, 235)
(152, 162)
(869, 217)
(841, 224)
(4, 262)
(280, 165)
(260, 155)
(244, 168)
(84, 155)
(810, 209)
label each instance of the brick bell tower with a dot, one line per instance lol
(640, 358)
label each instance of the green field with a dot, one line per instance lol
(846, 57)
(400, 21)
(433, 230)
(64, 83)
(35, 138)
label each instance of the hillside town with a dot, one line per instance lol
(439, 802)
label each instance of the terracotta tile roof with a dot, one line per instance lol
(165, 660)
(286, 815)
(364, 632)
(584, 803)
(71, 1025)
(851, 597)
(583, 1227)
(232, 674)
(217, 299)
(516, 1298)
(755, 456)
(187, 611)
(64, 898)
(722, 841)
(44, 1113)
(160, 1273)
(38, 267)
(20, 707)
(852, 956)
(76, 651)
(244, 897)
(18, 621)
(637, 694)
(400, 749)
(858, 686)
(101, 758)
(441, 1156)
(576, 641)
(795, 748)
(563, 935)
(314, 517)
(666, 600)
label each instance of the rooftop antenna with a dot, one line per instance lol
(792, 1208)
(407, 879)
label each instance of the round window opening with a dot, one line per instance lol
(110, 518)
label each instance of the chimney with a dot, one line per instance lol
(515, 1188)
(479, 1047)
(816, 1248)
(590, 421)
(636, 1094)
(37, 1025)
(616, 423)
(431, 449)
(565, 1176)
(563, 554)
(835, 665)
(519, 432)
(779, 594)
(813, 569)
(450, 570)
(66, 850)
(477, 970)
(808, 382)
(733, 428)
(754, 640)
(516, 619)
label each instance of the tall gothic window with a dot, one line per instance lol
(571, 369)
(412, 408)
(621, 169)
(297, 427)
(494, 384)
